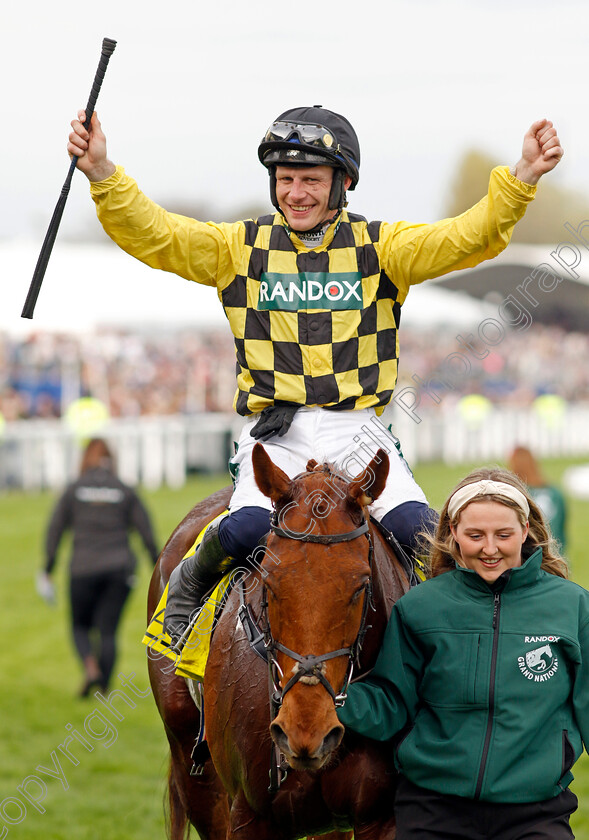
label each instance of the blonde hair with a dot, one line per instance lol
(444, 553)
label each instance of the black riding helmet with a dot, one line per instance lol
(312, 137)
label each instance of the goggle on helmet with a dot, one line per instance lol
(313, 137)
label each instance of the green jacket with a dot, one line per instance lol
(488, 687)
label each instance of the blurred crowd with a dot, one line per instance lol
(133, 373)
(183, 372)
(522, 366)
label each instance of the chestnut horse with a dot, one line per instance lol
(282, 766)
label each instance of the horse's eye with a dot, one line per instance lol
(358, 594)
(271, 595)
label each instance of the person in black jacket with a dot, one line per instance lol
(100, 511)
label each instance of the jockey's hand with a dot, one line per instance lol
(45, 588)
(541, 152)
(89, 146)
(274, 420)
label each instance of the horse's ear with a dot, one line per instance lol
(368, 486)
(271, 480)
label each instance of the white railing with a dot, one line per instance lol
(152, 451)
(447, 436)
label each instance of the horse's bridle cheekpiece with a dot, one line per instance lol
(311, 665)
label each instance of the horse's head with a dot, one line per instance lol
(317, 575)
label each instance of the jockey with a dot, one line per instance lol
(313, 295)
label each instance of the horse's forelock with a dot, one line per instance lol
(325, 479)
(318, 475)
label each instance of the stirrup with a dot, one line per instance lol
(177, 643)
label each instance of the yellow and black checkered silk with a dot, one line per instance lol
(313, 327)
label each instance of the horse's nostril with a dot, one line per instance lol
(278, 735)
(333, 739)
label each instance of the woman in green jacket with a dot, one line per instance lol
(482, 681)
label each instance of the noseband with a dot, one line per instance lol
(311, 666)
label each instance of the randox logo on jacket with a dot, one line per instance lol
(311, 290)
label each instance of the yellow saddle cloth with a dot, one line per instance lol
(192, 660)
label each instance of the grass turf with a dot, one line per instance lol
(112, 784)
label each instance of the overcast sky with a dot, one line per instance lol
(192, 86)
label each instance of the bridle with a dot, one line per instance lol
(311, 665)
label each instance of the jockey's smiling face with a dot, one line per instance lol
(303, 195)
(489, 537)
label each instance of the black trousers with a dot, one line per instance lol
(426, 815)
(97, 603)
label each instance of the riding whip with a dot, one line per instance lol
(108, 47)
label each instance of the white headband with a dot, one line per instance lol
(486, 487)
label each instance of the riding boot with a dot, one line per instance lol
(192, 580)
